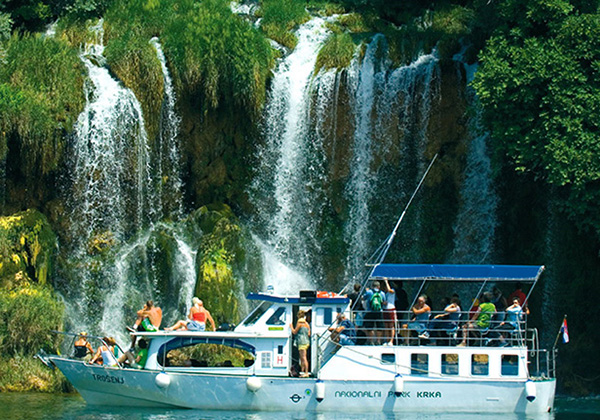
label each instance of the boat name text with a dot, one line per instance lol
(108, 378)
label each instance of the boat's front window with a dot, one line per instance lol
(207, 355)
(278, 318)
(257, 313)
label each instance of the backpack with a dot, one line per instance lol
(376, 301)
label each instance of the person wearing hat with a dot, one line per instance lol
(83, 348)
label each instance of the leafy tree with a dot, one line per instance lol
(540, 89)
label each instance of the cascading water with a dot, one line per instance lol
(392, 109)
(169, 156)
(475, 225)
(282, 196)
(120, 254)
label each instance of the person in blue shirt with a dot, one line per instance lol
(345, 332)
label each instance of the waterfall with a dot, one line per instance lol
(392, 109)
(169, 155)
(120, 253)
(111, 174)
(280, 191)
(475, 225)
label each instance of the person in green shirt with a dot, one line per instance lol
(139, 361)
(481, 320)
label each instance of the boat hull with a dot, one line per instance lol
(128, 387)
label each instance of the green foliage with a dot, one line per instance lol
(30, 15)
(219, 56)
(213, 54)
(337, 52)
(354, 23)
(27, 248)
(541, 94)
(23, 373)
(448, 27)
(219, 249)
(28, 313)
(279, 17)
(5, 26)
(41, 96)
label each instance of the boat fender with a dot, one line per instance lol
(162, 380)
(320, 390)
(398, 385)
(253, 383)
(530, 390)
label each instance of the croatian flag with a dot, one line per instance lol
(565, 331)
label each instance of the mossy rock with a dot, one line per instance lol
(27, 248)
(226, 251)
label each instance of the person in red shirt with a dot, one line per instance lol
(196, 319)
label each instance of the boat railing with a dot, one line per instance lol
(442, 328)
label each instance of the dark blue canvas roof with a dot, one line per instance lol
(524, 273)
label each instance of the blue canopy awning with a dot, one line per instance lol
(449, 272)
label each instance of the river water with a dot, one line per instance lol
(15, 406)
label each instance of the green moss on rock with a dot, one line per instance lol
(27, 248)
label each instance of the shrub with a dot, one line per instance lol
(27, 315)
(279, 17)
(23, 373)
(41, 96)
(337, 52)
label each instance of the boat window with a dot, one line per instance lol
(450, 364)
(480, 364)
(419, 364)
(278, 318)
(388, 358)
(510, 365)
(257, 313)
(265, 360)
(207, 355)
(324, 317)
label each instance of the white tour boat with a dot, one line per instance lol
(412, 375)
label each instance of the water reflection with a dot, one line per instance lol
(52, 407)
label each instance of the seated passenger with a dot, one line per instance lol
(512, 322)
(421, 312)
(105, 354)
(449, 319)
(139, 361)
(482, 318)
(345, 332)
(83, 348)
(196, 319)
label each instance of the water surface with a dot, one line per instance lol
(49, 407)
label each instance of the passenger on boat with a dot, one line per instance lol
(447, 321)
(136, 361)
(389, 314)
(105, 354)
(148, 318)
(401, 300)
(373, 323)
(421, 312)
(499, 302)
(357, 305)
(512, 322)
(302, 341)
(196, 319)
(83, 348)
(345, 332)
(518, 292)
(481, 320)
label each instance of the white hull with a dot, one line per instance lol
(126, 387)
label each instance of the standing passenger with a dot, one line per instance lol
(376, 301)
(302, 341)
(389, 314)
